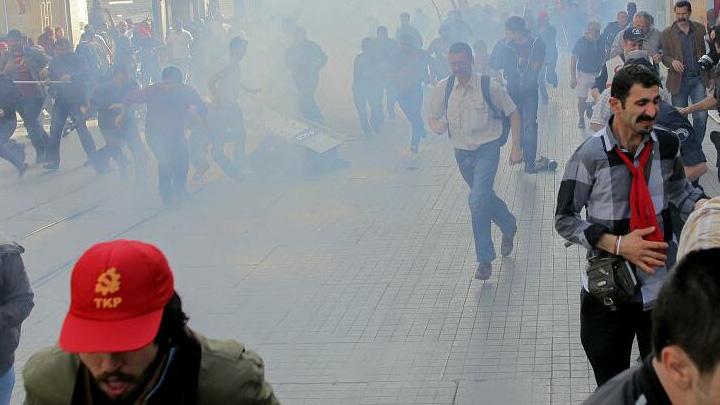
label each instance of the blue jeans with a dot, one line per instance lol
(479, 167)
(7, 381)
(411, 101)
(694, 89)
(60, 115)
(527, 104)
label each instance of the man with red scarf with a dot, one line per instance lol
(626, 177)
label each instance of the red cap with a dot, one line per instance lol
(118, 292)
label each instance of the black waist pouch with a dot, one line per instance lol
(610, 279)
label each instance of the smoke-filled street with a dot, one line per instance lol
(359, 202)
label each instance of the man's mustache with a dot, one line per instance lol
(646, 118)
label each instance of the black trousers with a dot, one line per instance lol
(607, 335)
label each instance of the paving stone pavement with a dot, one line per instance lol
(355, 286)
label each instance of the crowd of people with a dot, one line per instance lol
(630, 192)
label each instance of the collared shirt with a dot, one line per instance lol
(469, 117)
(597, 180)
(687, 43)
(639, 385)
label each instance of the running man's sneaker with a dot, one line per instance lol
(483, 271)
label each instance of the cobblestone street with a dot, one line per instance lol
(355, 286)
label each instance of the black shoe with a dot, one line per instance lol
(544, 163)
(483, 271)
(507, 245)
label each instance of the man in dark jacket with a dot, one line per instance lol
(683, 44)
(70, 102)
(684, 367)
(118, 124)
(305, 59)
(521, 56)
(168, 105)
(16, 302)
(125, 340)
(10, 150)
(612, 29)
(26, 63)
(367, 88)
(408, 70)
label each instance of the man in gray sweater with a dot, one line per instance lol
(16, 302)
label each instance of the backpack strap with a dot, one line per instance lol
(485, 87)
(448, 90)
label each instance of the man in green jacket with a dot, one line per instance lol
(125, 341)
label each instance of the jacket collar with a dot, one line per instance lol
(610, 140)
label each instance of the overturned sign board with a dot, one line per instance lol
(297, 131)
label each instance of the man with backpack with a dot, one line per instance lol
(474, 111)
(521, 56)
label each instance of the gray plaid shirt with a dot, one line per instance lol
(597, 180)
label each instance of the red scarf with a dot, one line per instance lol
(642, 209)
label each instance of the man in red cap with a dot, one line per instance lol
(125, 341)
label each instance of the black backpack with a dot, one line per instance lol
(495, 113)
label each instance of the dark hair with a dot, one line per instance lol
(516, 24)
(717, 35)
(632, 5)
(463, 48)
(14, 34)
(629, 76)
(685, 313)
(172, 330)
(683, 4)
(172, 73)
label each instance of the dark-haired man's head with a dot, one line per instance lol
(515, 29)
(634, 98)
(172, 75)
(686, 331)
(622, 19)
(14, 38)
(460, 58)
(238, 48)
(382, 32)
(631, 7)
(404, 19)
(683, 10)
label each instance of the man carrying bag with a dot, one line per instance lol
(626, 177)
(473, 111)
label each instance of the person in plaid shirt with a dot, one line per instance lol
(625, 214)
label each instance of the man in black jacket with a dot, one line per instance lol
(16, 302)
(9, 99)
(70, 102)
